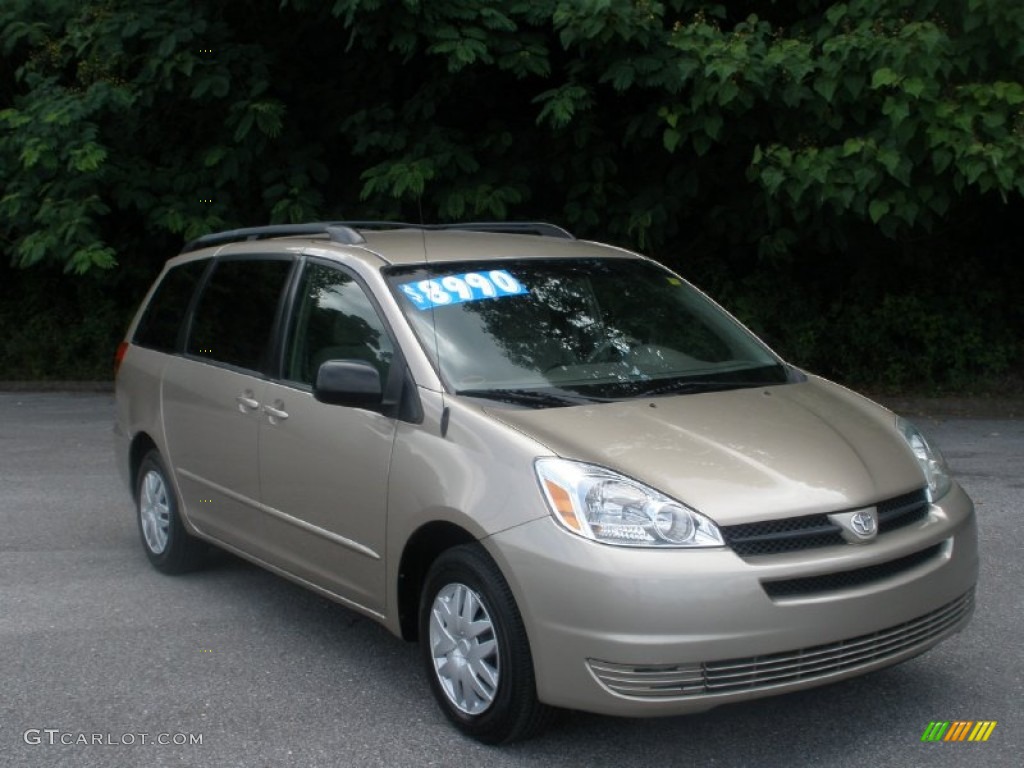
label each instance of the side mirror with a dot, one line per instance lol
(348, 382)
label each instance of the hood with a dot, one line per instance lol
(739, 455)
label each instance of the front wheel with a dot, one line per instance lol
(476, 651)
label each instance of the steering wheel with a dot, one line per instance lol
(600, 349)
(619, 346)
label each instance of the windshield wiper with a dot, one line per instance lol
(684, 387)
(529, 397)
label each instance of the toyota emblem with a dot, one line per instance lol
(858, 526)
(864, 524)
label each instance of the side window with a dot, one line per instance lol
(159, 325)
(334, 320)
(236, 311)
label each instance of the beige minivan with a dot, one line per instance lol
(575, 479)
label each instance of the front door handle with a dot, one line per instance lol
(246, 401)
(276, 412)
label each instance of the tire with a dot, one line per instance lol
(483, 680)
(167, 544)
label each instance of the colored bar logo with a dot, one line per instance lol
(959, 730)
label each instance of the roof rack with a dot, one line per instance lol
(540, 228)
(338, 231)
(346, 232)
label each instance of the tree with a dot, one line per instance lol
(746, 134)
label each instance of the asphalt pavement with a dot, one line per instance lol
(96, 646)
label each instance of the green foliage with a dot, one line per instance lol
(914, 341)
(743, 140)
(152, 112)
(56, 327)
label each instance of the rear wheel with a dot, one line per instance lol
(168, 545)
(475, 649)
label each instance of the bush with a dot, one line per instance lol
(57, 326)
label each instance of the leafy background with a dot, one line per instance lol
(847, 177)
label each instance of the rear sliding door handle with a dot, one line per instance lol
(275, 412)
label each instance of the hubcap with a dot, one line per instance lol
(155, 512)
(464, 648)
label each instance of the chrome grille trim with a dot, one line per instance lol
(650, 681)
(657, 681)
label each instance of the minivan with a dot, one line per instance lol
(567, 473)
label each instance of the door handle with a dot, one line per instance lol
(247, 402)
(275, 412)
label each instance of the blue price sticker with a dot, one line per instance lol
(457, 289)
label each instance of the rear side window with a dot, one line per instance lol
(236, 311)
(160, 323)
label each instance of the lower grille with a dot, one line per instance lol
(829, 582)
(657, 681)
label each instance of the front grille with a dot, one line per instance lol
(902, 511)
(812, 585)
(780, 669)
(770, 537)
(774, 536)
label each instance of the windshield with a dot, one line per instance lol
(553, 332)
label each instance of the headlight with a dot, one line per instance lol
(932, 464)
(603, 505)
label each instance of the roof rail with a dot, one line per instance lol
(541, 228)
(338, 231)
(346, 232)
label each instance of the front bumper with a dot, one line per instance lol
(638, 632)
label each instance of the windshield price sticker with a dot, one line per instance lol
(457, 289)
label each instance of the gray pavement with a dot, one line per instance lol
(94, 641)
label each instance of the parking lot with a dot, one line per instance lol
(93, 641)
